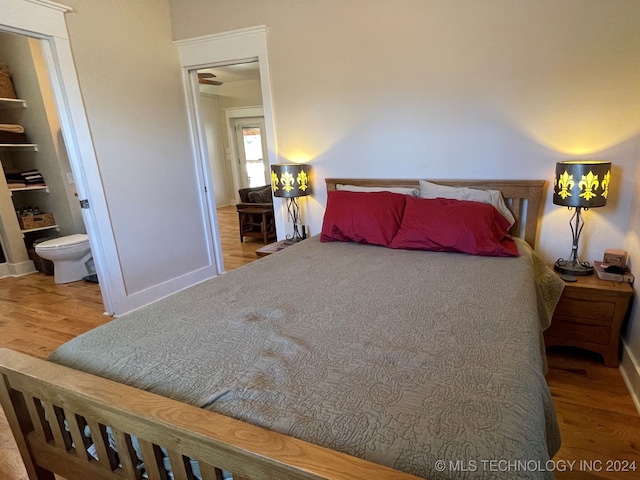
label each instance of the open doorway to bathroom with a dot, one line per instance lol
(41, 201)
(232, 118)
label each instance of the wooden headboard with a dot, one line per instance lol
(523, 197)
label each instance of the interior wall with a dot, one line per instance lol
(217, 160)
(632, 245)
(131, 83)
(456, 89)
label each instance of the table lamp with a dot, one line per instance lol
(580, 184)
(292, 181)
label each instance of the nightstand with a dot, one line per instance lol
(272, 248)
(589, 315)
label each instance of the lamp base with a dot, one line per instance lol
(573, 268)
(291, 241)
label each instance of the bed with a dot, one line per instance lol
(350, 362)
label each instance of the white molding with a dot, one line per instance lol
(54, 5)
(21, 269)
(235, 45)
(630, 371)
(36, 18)
(242, 112)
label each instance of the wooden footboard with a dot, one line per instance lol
(49, 407)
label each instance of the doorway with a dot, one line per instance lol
(244, 46)
(45, 23)
(229, 105)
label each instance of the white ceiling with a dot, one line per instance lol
(234, 73)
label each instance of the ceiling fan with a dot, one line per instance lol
(205, 78)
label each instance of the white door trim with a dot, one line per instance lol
(237, 46)
(45, 20)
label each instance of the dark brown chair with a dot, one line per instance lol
(255, 213)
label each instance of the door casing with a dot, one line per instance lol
(238, 46)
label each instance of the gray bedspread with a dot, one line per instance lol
(399, 357)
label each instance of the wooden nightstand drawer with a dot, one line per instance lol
(570, 332)
(589, 315)
(586, 311)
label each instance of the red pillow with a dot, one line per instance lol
(363, 217)
(447, 225)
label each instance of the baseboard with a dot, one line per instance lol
(4, 270)
(19, 269)
(630, 370)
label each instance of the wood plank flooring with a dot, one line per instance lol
(235, 254)
(597, 417)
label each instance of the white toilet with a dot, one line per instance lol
(70, 256)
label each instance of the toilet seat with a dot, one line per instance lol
(62, 243)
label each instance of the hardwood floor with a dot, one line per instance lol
(235, 253)
(597, 418)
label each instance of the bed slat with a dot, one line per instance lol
(17, 413)
(180, 466)
(152, 460)
(76, 434)
(40, 425)
(127, 455)
(106, 456)
(56, 423)
(209, 472)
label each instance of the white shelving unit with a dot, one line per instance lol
(22, 189)
(14, 152)
(50, 227)
(32, 147)
(9, 103)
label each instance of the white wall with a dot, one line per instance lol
(631, 344)
(131, 85)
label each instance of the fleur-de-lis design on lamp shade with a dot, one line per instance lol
(291, 180)
(565, 184)
(580, 184)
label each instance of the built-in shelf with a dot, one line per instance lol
(32, 147)
(22, 189)
(40, 228)
(7, 103)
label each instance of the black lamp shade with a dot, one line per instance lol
(582, 183)
(290, 181)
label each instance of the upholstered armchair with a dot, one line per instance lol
(255, 213)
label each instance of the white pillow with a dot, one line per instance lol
(493, 197)
(414, 192)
